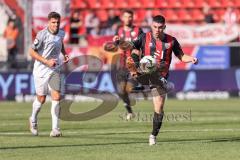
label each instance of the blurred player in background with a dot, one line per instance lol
(46, 50)
(159, 45)
(11, 34)
(126, 32)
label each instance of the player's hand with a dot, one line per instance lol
(131, 65)
(134, 74)
(134, 71)
(116, 38)
(161, 66)
(51, 62)
(66, 59)
(194, 60)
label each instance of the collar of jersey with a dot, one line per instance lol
(51, 32)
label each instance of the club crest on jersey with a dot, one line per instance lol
(35, 42)
(167, 45)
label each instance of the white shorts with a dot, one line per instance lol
(45, 84)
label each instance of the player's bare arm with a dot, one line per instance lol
(66, 57)
(38, 57)
(131, 62)
(187, 59)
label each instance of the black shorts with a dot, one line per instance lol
(152, 80)
(122, 75)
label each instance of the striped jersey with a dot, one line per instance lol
(161, 49)
(129, 35)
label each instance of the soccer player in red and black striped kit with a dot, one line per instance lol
(160, 45)
(127, 32)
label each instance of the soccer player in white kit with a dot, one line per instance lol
(46, 49)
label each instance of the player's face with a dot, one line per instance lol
(53, 25)
(127, 19)
(11, 24)
(157, 29)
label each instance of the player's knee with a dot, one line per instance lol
(56, 97)
(159, 110)
(41, 99)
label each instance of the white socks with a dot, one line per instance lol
(55, 114)
(55, 109)
(36, 107)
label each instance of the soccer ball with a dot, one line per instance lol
(148, 64)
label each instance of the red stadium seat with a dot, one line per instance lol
(236, 3)
(188, 3)
(174, 4)
(135, 4)
(102, 14)
(161, 12)
(78, 4)
(84, 13)
(107, 4)
(219, 14)
(95, 4)
(197, 15)
(171, 15)
(148, 3)
(140, 14)
(214, 3)
(161, 4)
(184, 15)
(227, 3)
(200, 3)
(118, 12)
(121, 4)
(157, 12)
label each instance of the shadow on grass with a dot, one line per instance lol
(72, 145)
(137, 141)
(74, 134)
(206, 140)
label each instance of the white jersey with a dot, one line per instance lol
(49, 46)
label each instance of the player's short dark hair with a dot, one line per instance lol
(159, 19)
(128, 11)
(54, 15)
(11, 20)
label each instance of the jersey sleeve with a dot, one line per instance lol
(62, 34)
(38, 41)
(116, 31)
(138, 43)
(177, 49)
(140, 31)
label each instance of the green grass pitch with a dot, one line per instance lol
(192, 129)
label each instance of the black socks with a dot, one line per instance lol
(126, 101)
(157, 123)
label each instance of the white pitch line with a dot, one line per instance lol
(82, 132)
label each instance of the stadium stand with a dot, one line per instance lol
(176, 11)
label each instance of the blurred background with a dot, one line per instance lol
(207, 29)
